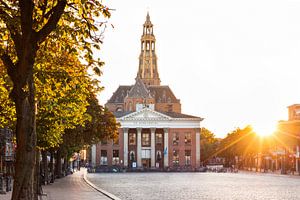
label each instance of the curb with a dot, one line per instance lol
(109, 195)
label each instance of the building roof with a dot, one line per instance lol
(120, 114)
(177, 115)
(294, 105)
(161, 93)
(119, 95)
(139, 90)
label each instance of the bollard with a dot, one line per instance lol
(2, 185)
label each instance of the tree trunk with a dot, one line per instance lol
(65, 166)
(38, 186)
(45, 168)
(23, 188)
(58, 164)
(52, 167)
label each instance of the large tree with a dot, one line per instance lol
(102, 125)
(209, 144)
(240, 143)
(24, 26)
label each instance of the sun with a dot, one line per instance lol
(264, 129)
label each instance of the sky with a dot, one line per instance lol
(231, 62)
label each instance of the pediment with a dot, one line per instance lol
(145, 114)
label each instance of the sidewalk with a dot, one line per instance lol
(71, 187)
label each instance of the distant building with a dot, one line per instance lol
(294, 112)
(288, 135)
(154, 133)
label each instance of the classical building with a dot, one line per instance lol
(154, 133)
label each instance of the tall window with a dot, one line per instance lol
(115, 159)
(103, 158)
(145, 139)
(187, 157)
(116, 140)
(175, 139)
(158, 138)
(187, 139)
(132, 139)
(175, 157)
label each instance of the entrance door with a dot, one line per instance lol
(146, 158)
(146, 163)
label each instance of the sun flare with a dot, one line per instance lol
(264, 130)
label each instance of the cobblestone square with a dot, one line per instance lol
(225, 186)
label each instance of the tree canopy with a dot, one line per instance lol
(7, 109)
(25, 27)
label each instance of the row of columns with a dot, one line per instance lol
(166, 147)
(139, 147)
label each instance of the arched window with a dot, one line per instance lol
(158, 155)
(119, 109)
(132, 156)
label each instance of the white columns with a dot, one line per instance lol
(197, 147)
(93, 155)
(152, 147)
(139, 147)
(166, 148)
(125, 135)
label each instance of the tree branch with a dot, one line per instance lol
(10, 66)
(58, 10)
(26, 7)
(11, 25)
(5, 4)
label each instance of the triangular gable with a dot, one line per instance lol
(145, 114)
(139, 90)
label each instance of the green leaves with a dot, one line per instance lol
(7, 109)
(62, 84)
(102, 124)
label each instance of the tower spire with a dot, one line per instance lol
(148, 71)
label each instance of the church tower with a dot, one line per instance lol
(148, 71)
